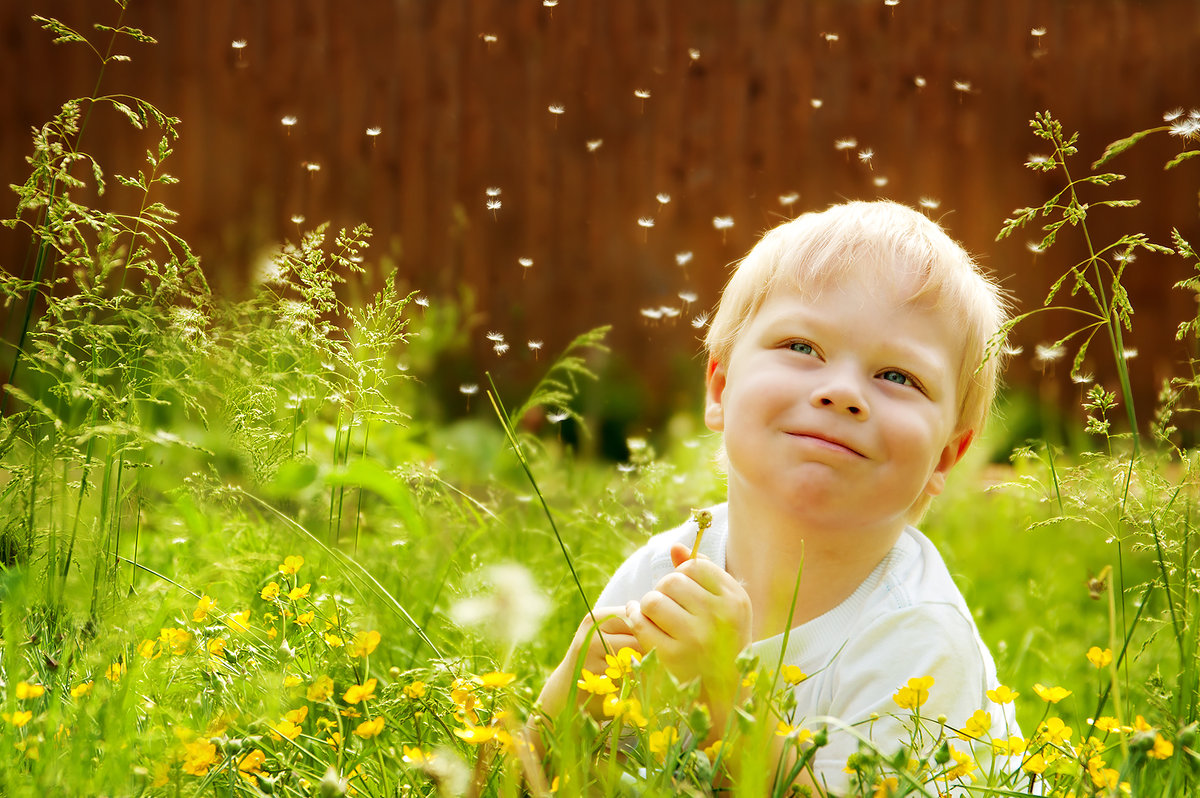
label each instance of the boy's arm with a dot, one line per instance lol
(588, 645)
(698, 619)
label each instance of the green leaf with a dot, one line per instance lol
(1119, 146)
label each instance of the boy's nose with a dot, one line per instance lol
(842, 395)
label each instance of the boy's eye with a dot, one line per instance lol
(801, 347)
(898, 377)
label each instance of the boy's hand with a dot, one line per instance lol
(698, 619)
(587, 644)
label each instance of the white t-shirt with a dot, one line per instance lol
(907, 619)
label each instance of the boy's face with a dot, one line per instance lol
(840, 408)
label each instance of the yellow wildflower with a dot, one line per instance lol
(297, 715)
(622, 663)
(964, 765)
(291, 680)
(335, 740)
(1051, 695)
(1002, 695)
(660, 741)
(628, 711)
(360, 692)
(252, 762)
(1099, 657)
(1055, 731)
(1106, 723)
(369, 728)
(1105, 778)
(596, 684)
(26, 690)
(714, 750)
(239, 621)
(333, 641)
(886, 788)
(1163, 748)
(364, 643)
(216, 647)
(115, 671)
(19, 718)
(297, 593)
(305, 618)
(291, 564)
(81, 689)
(415, 690)
(148, 649)
(495, 679)
(913, 694)
(476, 734)
(1035, 764)
(284, 728)
(176, 640)
(414, 755)
(198, 757)
(750, 679)
(1013, 746)
(203, 607)
(792, 674)
(270, 592)
(785, 729)
(977, 726)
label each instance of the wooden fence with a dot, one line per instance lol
(675, 112)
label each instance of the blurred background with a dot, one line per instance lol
(546, 167)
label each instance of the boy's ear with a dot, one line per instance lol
(714, 391)
(951, 454)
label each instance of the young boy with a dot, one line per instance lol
(848, 371)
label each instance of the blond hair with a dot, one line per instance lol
(875, 241)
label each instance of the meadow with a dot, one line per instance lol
(244, 551)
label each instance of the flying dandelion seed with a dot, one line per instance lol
(1046, 353)
(668, 312)
(699, 322)
(1037, 33)
(525, 262)
(830, 37)
(1036, 160)
(845, 144)
(963, 86)
(556, 109)
(1124, 257)
(535, 346)
(626, 468)
(722, 222)
(653, 314)
(492, 191)
(880, 181)
(816, 102)
(297, 218)
(1129, 354)
(422, 302)
(495, 337)
(683, 258)
(1011, 351)
(789, 199)
(239, 44)
(500, 348)
(594, 144)
(645, 221)
(929, 203)
(919, 82)
(892, 3)
(693, 54)
(688, 297)
(488, 38)
(374, 131)
(494, 205)
(1172, 115)
(662, 197)
(288, 121)
(514, 610)
(557, 416)
(1081, 379)
(468, 389)
(866, 155)
(642, 94)
(312, 167)
(549, 3)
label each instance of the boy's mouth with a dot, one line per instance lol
(826, 442)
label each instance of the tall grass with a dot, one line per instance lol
(242, 555)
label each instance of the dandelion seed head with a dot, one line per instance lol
(722, 222)
(683, 258)
(789, 198)
(1187, 128)
(500, 348)
(525, 262)
(645, 221)
(662, 197)
(642, 94)
(816, 102)
(930, 203)
(688, 296)
(534, 345)
(1172, 115)
(239, 44)
(288, 121)
(468, 389)
(556, 108)
(594, 144)
(374, 131)
(845, 144)
(919, 81)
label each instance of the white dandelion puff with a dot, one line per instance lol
(845, 144)
(312, 166)
(298, 218)
(556, 109)
(699, 322)
(1172, 115)
(1009, 350)
(500, 348)
(488, 38)
(722, 222)
(693, 54)
(494, 204)
(830, 37)
(557, 416)
(494, 337)
(1081, 379)
(1037, 33)
(525, 262)
(816, 102)
(892, 3)
(534, 345)
(288, 121)
(929, 203)
(688, 296)
(239, 44)
(512, 612)
(963, 86)
(662, 197)
(1129, 354)
(642, 94)
(919, 81)
(880, 181)
(789, 198)
(654, 314)
(1035, 247)
(866, 155)
(492, 191)
(669, 312)
(468, 389)
(549, 3)
(683, 258)
(594, 144)
(422, 301)
(1036, 159)
(1047, 353)
(374, 131)
(645, 221)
